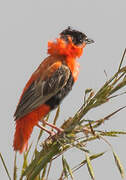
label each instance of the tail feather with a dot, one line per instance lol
(25, 125)
(24, 128)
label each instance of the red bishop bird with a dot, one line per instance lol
(48, 85)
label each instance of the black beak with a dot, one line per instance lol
(88, 41)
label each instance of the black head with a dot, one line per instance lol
(78, 37)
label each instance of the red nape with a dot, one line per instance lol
(25, 125)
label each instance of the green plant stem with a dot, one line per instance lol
(5, 166)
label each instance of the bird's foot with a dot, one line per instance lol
(59, 130)
(51, 133)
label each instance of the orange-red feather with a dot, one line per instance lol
(60, 52)
(25, 125)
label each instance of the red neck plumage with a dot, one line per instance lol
(70, 51)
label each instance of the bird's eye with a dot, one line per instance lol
(73, 39)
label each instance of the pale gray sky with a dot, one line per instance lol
(25, 28)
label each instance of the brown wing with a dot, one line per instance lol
(41, 91)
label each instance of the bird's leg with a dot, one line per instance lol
(51, 133)
(60, 130)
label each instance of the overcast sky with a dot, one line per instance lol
(25, 28)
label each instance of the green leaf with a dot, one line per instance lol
(119, 165)
(119, 86)
(69, 170)
(87, 99)
(38, 177)
(5, 166)
(112, 133)
(122, 60)
(90, 168)
(41, 161)
(32, 165)
(44, 172)
(92, 157)
(57, 115)
(15, 167)
(39, 136)
(80, 146)
(25, 162)
(66, 168)
(88, 91)
(90, 138)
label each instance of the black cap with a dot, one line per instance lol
(78, 37)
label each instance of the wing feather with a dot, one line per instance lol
(41, 91)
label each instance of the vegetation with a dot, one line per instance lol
(78, 132)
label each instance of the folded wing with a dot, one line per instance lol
(40, 91)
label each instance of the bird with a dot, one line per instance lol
(48, 85)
